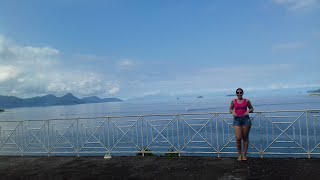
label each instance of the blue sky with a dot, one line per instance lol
(128, 49)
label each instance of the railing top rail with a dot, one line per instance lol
(282, 132)
(302, 110)
(159, 115)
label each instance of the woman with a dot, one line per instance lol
(240, 109)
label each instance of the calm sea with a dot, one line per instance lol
(174, 106)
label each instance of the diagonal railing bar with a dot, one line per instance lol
(253, 119)
(159, 133)
(283, 132)
(197, 132)
(164, 127)
(98, 141)
(229, 125)
(65, 138)
(253, 128)
(92, 135)
(225, 145)
(35, 137)
(224, 120)
(294, 141)
(316, 146)
(214, 115)
(9, 137)
(254, 146)
(233, 137)
(13, 140)
(124, 134)
(315, 118)
(62, 136)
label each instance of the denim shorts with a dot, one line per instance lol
(242, 121)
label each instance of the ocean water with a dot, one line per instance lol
(190, 133)
(174, 106)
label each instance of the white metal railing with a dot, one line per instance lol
(291, 133)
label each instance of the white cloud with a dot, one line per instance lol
(27, 71)
(26, 56)
(287, 85)
(82, 83)
(7, 73)
(113, 90)
(295, 5)
(217, 79)
(33, 71)
(125, 64)
(288, 46)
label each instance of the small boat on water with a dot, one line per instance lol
(1, 110)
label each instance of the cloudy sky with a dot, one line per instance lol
(127, 49)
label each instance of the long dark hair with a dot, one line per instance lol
(240, 89)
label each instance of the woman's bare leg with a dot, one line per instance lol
(238, 135)
(245, 136)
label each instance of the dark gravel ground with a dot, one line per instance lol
(157, 168)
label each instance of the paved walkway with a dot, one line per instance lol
(156, 168)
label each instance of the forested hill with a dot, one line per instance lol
(50, 100)
(315, 91)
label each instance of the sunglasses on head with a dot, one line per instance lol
(239, 92)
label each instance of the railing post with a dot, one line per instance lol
(261, 152)
(22, 135)
(142, 144)
(178, 134)
(211, 130)
(77, 130)
(48, 137)
(308, 144)
(217, 136)
(109, 136)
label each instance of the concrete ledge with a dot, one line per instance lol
(156, 168)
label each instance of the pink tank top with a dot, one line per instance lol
(240, 109)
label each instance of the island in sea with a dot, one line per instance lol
(50, 100)
(231, 95)
(314, 92)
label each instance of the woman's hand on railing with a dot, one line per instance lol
(234, 114)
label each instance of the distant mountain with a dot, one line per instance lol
(95, 99)
(50, 100)
(70, 99)
(315, 91)
(231, 95)
(91, 99)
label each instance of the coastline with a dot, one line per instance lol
(314, 94)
